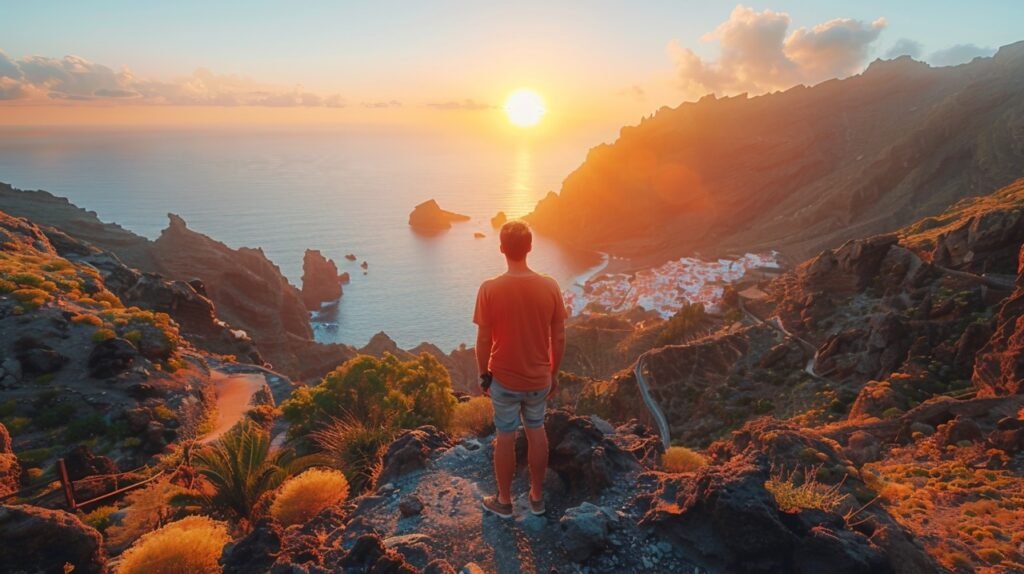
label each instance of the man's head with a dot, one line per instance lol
(516, 240)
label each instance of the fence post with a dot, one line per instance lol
(69, 489)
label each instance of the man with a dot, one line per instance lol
(520, 341)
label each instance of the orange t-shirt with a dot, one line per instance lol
(520, 310)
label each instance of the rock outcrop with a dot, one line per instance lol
(321, 282)
(428, 217)
(411, 451)
(41, 540)
(999, 365)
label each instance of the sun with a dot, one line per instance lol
(524, 108)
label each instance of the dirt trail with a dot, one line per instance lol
(234, 395)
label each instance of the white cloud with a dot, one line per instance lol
(468, 105)
(905, 47)
(958, 54)
(759, 54)
(75, 78)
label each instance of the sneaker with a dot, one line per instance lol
(492, 505)
(537, 507)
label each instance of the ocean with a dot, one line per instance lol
(340, 191)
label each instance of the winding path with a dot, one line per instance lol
(652, 405)
(234, 398)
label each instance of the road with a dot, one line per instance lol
(652, 405)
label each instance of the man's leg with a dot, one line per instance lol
(537, 439)
(505, 464)
(534, 411)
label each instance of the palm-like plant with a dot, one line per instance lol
(241, 468)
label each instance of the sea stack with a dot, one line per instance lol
(428, 217)
(320, 280)
(499, 219)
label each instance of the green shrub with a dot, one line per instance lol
(85, 428)
(100, 518)
(687, 322)
(33, 457)
(383, 392)
(241, 469)
(55, 416)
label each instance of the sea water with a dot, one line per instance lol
(337, 190)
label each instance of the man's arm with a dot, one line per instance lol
(483, 348)
(557, 351)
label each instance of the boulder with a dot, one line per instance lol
(585, 530)
(410, 505)
(726, 519)
(256, 552)
(411, 451)
(439, 566)
(428, 217)
(111, 358)
(320, 280)
(584, 458)
(369, 554)
(863, 447)
(81, 462)
(43, 540)
(958, 430)
(37, 358)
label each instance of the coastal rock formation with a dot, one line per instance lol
(246, 303)
(499, 219)
(428, 217)
(896, 143)
(321, 282)
(250, 292)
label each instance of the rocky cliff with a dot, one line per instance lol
(798, 170)
(247, 289)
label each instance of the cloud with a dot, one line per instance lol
(468, 105)
(382, 104)
(73, 78)
(905, 47)
(759, 54)
(635, 92)
(958, 54)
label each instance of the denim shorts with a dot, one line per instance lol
(510, 406)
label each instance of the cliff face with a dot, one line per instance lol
(799, 170)
(247, 290)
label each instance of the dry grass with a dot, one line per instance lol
(970, 519)
(147, 508)
(681, 459)
(192, 545)
(793, 491)
(304, 496)
(474, 417)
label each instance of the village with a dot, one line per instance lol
(667, 288)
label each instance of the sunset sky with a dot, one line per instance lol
(449, 63)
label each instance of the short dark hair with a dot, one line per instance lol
(516, 240)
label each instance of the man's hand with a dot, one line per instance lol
(554, 386)
(485, 383)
